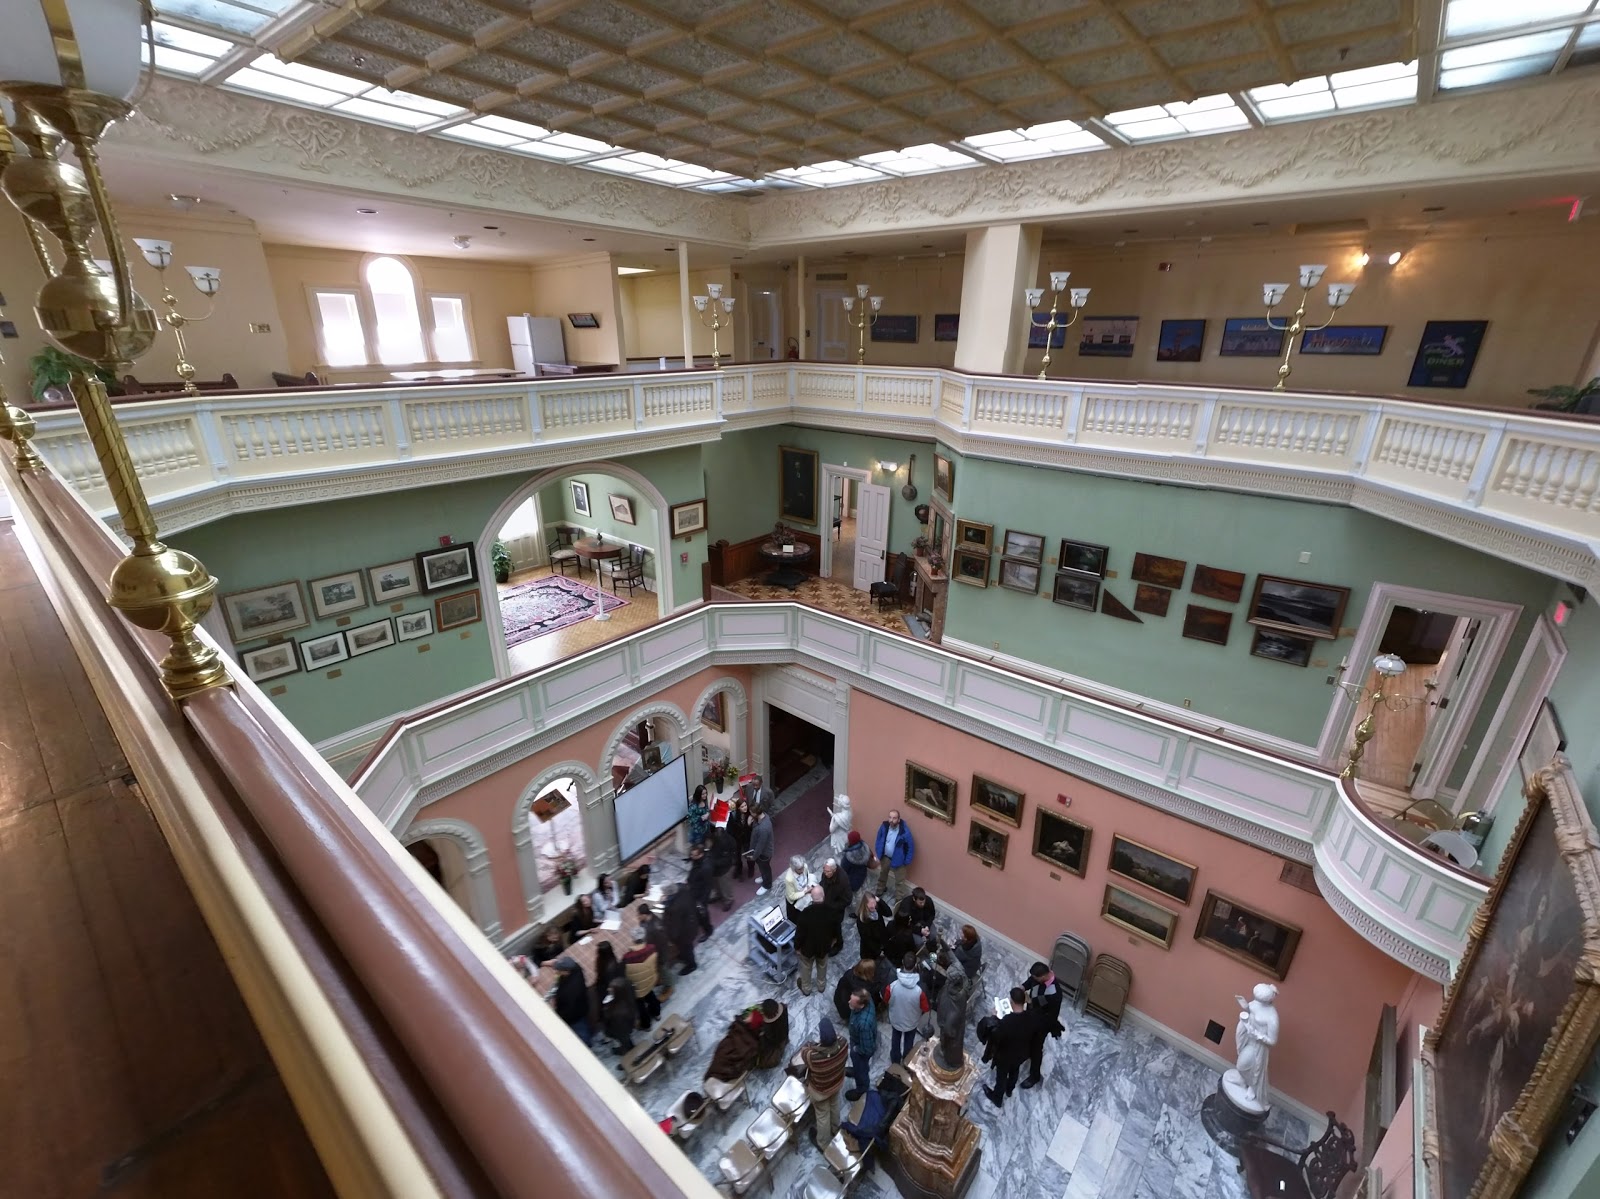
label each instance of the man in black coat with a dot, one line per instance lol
(1044, 997)
(724, 855)
(572, 997)
(1008, 1046)
(813, 941)
(700, 888)
(680, 925)
(921, 912)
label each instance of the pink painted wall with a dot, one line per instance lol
(489, 803)
(1337, 982)
(1395, 1156)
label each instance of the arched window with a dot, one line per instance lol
(394, 307)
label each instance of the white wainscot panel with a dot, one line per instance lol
(767, 628)
(1353, 849)
(386, 789)
(1260, 790)
(894, 660)
(472, 733)
(1016, 703)
(1395, 881)
(832, 639)
(586, 682)
(676, 644)
(1447, 910)
(1098, 733)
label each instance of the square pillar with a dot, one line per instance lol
(1001, 260)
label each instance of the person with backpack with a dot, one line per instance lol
(907, 1002)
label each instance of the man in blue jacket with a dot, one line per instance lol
(895, 851)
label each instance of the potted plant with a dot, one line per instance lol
(52, 370)
(1585, 399)
(732, 772)
(567, 869)
(921, 545)
(500, 559)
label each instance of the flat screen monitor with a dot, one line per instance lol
(652, 808)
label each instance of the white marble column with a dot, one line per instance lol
(685, 308)
(800, 307)
(1001, 260)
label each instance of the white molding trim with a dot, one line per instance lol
(480, 878)
(821, 700)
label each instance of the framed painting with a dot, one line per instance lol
(1224, 585)
(1521, 1019)
(997, 800)
(797, 475)
(1018, 574)
(364, 639)
(410, 626)
(621, 508)
(946, 326)
(265, 611)
(1446, 353)
(1207, 624)
(970, 567)
(988, 844)
(1083, 556)
(583, 320)
(1358, 340)
(580, 497)
(714, 712)
(1107, 336)
(320, 652)
(1250, 337)
(974, 535)
(944, 477)
(931, 792)
(393, 580)
(1545, 741)
(1028, 546)
(1039, 330)
(1152, 868)
(685, 519)
(337, 593)
(1061, 842)
(1139, 916)
(1293, 606)
(1181, 341)
(1074, 590)
(269, 661)
(449, 566)
(1246, 935)
(1159, 571)
(903, 329)
(1151, 600)
(453, 611)
(1277, 646)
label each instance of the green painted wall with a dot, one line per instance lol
(555, 504)
(1254, 534)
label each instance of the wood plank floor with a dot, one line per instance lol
(130, 1065)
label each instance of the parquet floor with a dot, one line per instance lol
(130, 1064)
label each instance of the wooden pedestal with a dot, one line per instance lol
(933, 1148)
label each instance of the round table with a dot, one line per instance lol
(592, 550)
(786, 560)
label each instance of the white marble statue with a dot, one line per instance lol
(839, 824)
(1256, 1034)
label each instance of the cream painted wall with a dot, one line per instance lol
(495, 290)
(652, 326)
(222, 343)
(586, 284)
(922, 286)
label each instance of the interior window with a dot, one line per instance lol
(344, 339)
(450, 340)
(394, 305)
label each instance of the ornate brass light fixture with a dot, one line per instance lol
(865, 319)
(718, 305)
(206, 279)
(1078, 297)
(1273, 293)
(68, 67)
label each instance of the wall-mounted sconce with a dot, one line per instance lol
(888, 468)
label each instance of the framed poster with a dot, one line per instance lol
(1446, 353)
(337, 593)
(1345, 339)
(1107, 336)
(797, 475)
(1181, 341)
(1250, 337)
(904, 329)
(413, 625)
(393, 580)
(687, 518)
(320, 652)
(363, 639)
(946, 325)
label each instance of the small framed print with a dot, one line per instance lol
(1029, 546)
(1277, 646)
(453, 611)
(621, 509)
(1018, 574)
(1159, 571)
(988, 845)
(583, 320)
(363, 639)
(320, 652)
(1293, 606)
(270, 661)
(971, 567)
(688, 518)
(580, 497)
(1083, 556)
(265, 611)
(944, 476)
(1152, 868)
(1224, 585)
(450, 566)
(714, 712)
(973, 535)
(1151, 600)
(1207, 624)
(1259, 941)
(337, 593)
(409, 626)
(393, 580)
(997, 800)
(1074, 590)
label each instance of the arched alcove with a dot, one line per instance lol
(527, 828)
(679, 731)
(721, 726)
(464, 868)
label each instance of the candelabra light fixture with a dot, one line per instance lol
(1273, 293)
(66, 71)
(718, 305)
(206, 279)
(1387, 667)
(862, 317)
(1076, 298)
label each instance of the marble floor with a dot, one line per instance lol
(1118, 1115)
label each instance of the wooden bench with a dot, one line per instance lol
(132, 386)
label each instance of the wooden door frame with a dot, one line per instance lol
(825, 521)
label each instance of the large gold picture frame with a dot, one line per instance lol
(1522, 1016)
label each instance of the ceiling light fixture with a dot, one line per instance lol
(636, 270)
(462, 241)
(367, 211)
(183, 203)
(1363, 258)
(1395, 257)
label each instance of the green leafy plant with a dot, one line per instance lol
(1568, 399)
(53, 367)
(500, 559)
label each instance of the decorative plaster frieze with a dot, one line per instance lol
(1386, 939)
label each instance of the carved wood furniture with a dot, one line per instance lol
(132, 386)
(1271, 1168)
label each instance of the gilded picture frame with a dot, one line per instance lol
(931, 792)
(988, 844)
(1151, 868)
(994, 799)
(1246, 934)
(1139, 916)
(1062, 842)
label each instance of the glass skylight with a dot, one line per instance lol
(230, 16)
(312, 86)
(1395, 83)
(182, 51)
(1500, 60)
(829, 174)
(1036, 141)
(1465, 18)
(657, 169)
(918, 160)
(1209, 114)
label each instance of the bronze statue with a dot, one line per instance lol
(952, 1019)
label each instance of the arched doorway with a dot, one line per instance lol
(453, 853)
(556, 820)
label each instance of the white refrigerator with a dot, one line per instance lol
(535, 339)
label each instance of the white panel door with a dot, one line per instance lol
(833, 331)
(872, 534)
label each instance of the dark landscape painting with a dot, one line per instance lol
(1152, 868)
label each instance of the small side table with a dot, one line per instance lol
(786, 560)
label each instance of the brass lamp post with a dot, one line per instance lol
(67, 68)
(1273, 293)
(1387, 667)
(864, 319)
(206, 279)
(1078, 297)
(717, 304)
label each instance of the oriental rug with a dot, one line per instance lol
(542, 606)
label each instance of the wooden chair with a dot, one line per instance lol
(1271, 1168)
(629, 570)
(894, 590)
(309, 379)
(562, 554)
(132, 386)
